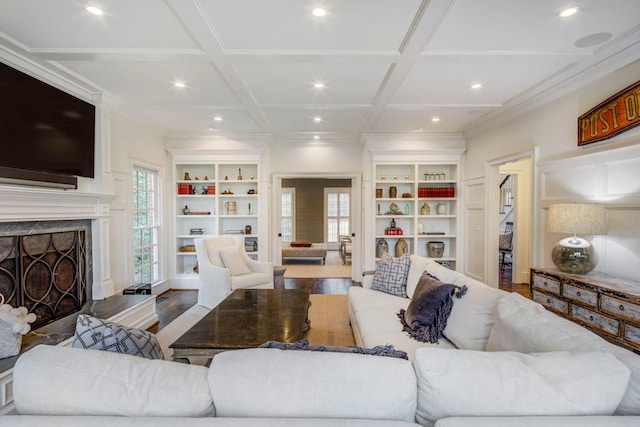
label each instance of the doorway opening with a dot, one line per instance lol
(317, 210)
(510, 192)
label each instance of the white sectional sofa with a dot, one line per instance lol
(488, 327)
(504, 361)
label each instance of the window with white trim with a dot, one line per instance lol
(288, 214)
(146, 246)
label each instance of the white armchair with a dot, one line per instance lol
(223, 266)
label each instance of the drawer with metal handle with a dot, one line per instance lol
(595, 320)
(544, 282)
(551, 302)
(632, 334)
(621, 308)
(580, 294)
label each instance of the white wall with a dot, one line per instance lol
(315, 157)
(553, 129)
(131, 143)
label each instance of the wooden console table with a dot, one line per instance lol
(607, 305)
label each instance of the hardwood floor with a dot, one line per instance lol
(173, 303)
(506, 284)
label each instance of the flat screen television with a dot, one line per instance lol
(46, 134)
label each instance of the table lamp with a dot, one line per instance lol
(575, 254)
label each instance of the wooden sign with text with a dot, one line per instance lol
(617, 114)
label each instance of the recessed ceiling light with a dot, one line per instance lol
(217, 118)
(568, 12)
(319, 12)
(316, 136)
(179, 84)
(318, 85)
(317, 119)
(476, 86)
(94, 10)
(435, 119)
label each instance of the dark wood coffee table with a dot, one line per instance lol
(246, 319)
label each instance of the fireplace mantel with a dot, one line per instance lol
(23, 203)
(26, 203)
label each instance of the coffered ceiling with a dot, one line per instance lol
(388, 66)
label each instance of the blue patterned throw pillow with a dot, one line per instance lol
(97, 334)
(391, 275)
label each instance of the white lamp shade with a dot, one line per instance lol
(577, 218)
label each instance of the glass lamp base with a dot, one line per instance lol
(574, 255)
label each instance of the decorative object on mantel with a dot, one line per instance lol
(575, 254)
(617, 114)
(14, 323)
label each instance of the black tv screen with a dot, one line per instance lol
(43, 128)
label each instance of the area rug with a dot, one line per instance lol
(328, 316)
(312, 269)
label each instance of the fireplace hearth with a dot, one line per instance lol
(45, 267)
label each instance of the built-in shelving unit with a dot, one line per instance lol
(421, 200)
(212, 198)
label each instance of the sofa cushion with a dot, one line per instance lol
(233, 259)
(417, 266)
(570, 421)
(526, 326)
(215, 245)
(426, 316)
(96, 334)
(104, 383)
(391, 275)
(471, 318)
(266, 382)
(480, 383)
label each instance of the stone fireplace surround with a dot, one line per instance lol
(30, 209)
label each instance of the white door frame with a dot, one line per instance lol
(356, 215)
(492, 201)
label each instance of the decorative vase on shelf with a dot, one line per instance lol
(425, 209)
(393, 192)
(382, 247)
(442, 209)
(402, 248)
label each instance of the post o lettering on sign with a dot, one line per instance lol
(617, 114)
